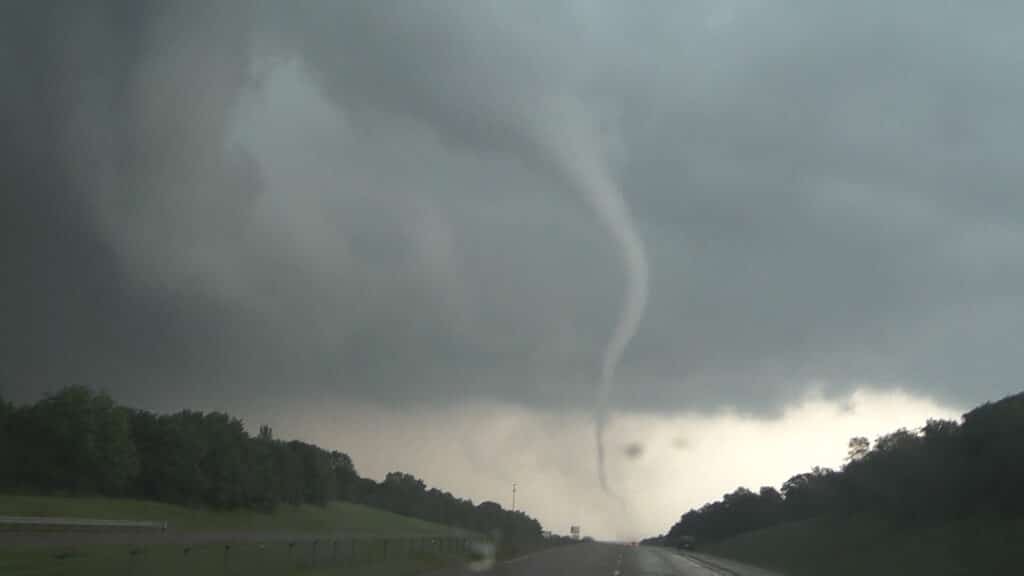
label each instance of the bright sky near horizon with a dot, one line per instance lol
(477, 451)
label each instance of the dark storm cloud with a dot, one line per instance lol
(72, 125)
(234, 201)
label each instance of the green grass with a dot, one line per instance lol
(868, 545)
(242, 560)
(364, 526)
(335, 517)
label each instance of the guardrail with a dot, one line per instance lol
(49, 524)
(257, 557)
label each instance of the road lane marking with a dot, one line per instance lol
(527, 556)
(707, 567)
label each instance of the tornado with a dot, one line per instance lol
(613, 212)
(581, 156)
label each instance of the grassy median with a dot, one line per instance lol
(275, 559)
(334, 517)
(357, 540)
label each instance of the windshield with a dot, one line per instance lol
(411, 285)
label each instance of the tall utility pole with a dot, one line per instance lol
(513, 496)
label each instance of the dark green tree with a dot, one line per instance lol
(7, 457)
(79, 441)
(857, 448)
(75, 441)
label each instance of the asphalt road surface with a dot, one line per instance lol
(595, 559)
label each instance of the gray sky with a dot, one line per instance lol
(245, 205)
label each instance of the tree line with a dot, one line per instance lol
(80, 442)
(922, 478)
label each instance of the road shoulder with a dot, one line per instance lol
(723, 566)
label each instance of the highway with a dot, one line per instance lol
(598, 559)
